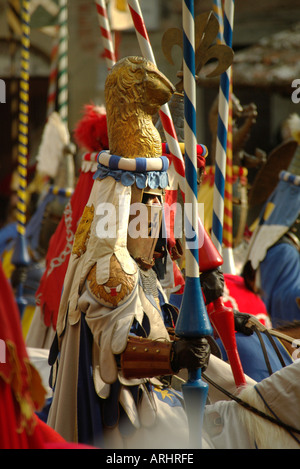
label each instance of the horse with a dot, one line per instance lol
(263, 414)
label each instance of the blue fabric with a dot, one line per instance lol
(93, 412)
(141, 330)
(169, 396)
(280, 278)
(43, 413)
(164, 179)
(90, 430)
(34, 274)
(165, 163)
(170, 315)
(127, 178)
(7, 234)
(114, 161)
(33, 227)
(286, 198)
(141, 180)
(153, 179)
(204, 149)
(141, 165)
(175, 300)
(252, 358)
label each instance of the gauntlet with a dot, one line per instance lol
(145, 358)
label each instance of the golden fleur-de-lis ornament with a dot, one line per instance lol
(206, 31)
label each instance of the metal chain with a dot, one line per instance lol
(57, 261)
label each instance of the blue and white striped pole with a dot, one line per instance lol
(193, 319)
(218, 11)
(221, 146)
(227, 254)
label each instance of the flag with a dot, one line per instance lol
(43, 15)
(278, 215)
(119, 14)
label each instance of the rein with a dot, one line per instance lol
(263, 346)
(252, 409)
(258, 328)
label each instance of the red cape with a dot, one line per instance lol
(21, 389)
(241, 298)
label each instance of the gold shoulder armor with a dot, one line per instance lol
(116, 290)
(83, 231)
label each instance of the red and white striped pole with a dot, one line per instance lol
(109, 50)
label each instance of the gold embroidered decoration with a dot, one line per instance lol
(83, 231)
(118, 287)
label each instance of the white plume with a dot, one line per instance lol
(294, 121)
(55, 137)
(291, 127)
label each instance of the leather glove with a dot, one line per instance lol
(212, 283)
(240, 322)
(190, 354)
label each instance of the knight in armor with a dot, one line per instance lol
(115, 336)
(53, 189)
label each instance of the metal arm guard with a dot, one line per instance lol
(145, 358)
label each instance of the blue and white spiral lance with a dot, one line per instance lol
(218, 11)
(221, 147)
(193, 319)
